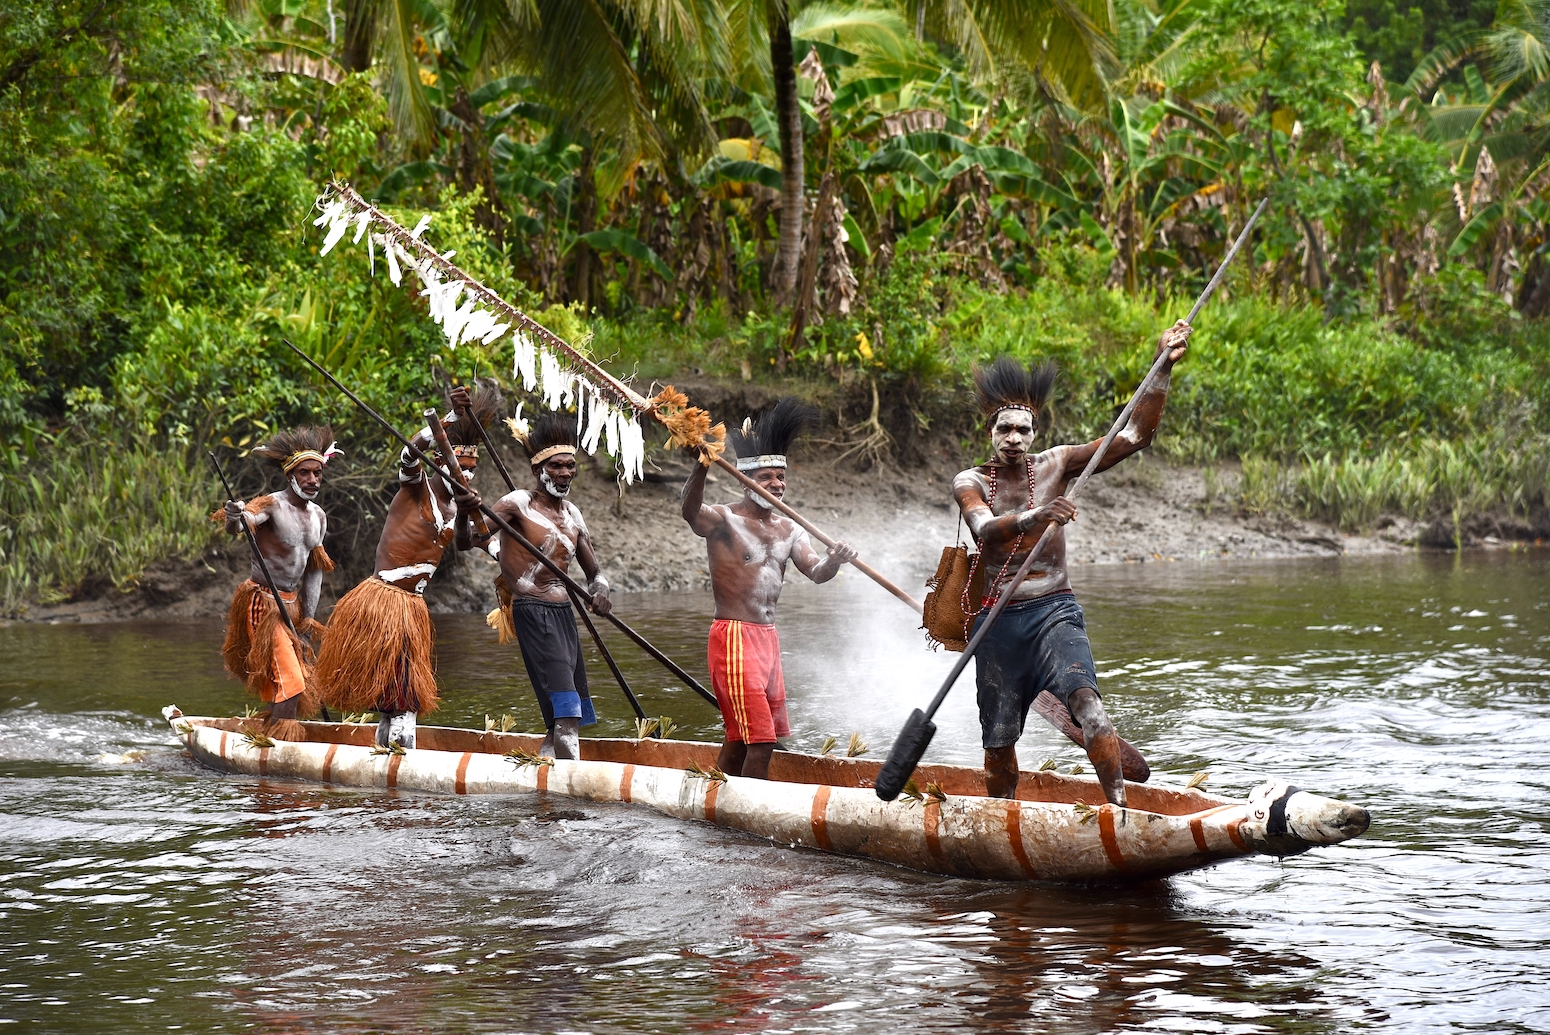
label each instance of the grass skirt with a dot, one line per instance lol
(252, 626)
(379, 652)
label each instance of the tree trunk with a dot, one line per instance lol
(474, 171)
(788, 114)
(586, 220)
(360, 32)
(807, 286)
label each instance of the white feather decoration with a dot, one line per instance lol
(391, 250)
(419, 228)
(360, 227)
(597, 413)
(633, 449)
(551, 381)
(524, 361)
(336, 228)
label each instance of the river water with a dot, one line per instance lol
(139, 892)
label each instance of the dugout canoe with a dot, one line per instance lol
(1059, 828)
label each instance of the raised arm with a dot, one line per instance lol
(702, 519)
(1139, 431)
(237, 511)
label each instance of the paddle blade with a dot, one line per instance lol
(913, 740)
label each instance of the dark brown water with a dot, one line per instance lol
(141, 893)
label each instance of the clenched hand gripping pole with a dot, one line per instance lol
(918, 728)
(505, 526)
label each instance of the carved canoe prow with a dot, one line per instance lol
(1058, 828)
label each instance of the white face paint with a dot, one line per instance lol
(308, 496)
(756, 498)
(551, 488)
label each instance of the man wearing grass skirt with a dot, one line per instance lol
(379, 652)
(288, 527)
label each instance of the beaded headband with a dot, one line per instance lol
(753, 463)
(303, 455)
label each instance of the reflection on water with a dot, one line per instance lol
(139, 892)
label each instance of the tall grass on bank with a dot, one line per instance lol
(76, 508)
(1430, 479)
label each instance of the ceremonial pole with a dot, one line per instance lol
(620, 391)
(918, 728)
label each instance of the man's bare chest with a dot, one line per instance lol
(295, 527)
(1013, 491)
(754, 542)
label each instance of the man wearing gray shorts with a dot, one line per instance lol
(1040, 641)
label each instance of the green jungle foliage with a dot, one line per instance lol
(941, 194)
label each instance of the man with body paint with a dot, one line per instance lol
(1040, 641)
(289, 529)
(748, 544)
(535, 605)
(379, 654)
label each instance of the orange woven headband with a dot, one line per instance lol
(301, 457)
(544, 454)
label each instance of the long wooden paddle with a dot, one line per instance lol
(918, 729)
(505, 526)
(263, 565)
(597, 637)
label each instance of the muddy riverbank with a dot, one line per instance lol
(1145, 511)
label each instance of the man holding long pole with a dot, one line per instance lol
(539, 608)
(286, 532)
(1040, 642)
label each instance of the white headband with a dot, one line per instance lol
(753, 463)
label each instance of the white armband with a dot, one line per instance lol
(598, 585)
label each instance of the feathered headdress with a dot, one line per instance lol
(1007, 384)
(286, 449)
(763, 441)
(550, 435)
(487, 405)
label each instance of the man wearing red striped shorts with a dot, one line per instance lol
(748, 545)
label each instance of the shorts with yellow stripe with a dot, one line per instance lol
(745, 672)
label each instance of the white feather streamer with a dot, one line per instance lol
(524, 361)
(600, 422)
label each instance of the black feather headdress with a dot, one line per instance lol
(551, 434)
(764, 441)
(487, 405)
(1007, 383)
(286, 449)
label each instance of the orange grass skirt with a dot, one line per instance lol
(254, 635)
(379, 654)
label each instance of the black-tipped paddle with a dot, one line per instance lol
(918, 729)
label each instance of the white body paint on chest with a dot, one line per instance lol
(568, 529)
(769, 557)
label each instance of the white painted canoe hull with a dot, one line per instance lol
(1076, 838)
